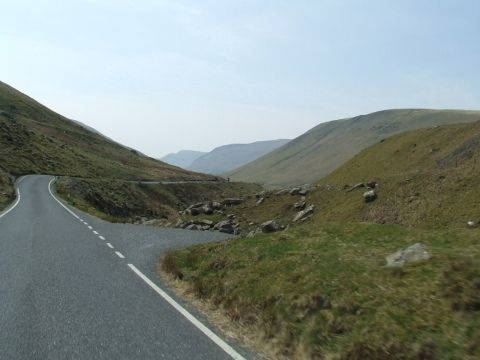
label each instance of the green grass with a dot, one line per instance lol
(324, 148)
(321, 291)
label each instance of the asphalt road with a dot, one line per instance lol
(76, 287)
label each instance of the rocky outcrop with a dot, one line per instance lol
(226, 226)
(270, 226)
(413, 254)
(299, 205)
(232, 202)
(304, 214)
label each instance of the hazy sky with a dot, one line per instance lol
(162, 76)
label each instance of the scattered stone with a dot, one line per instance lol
(282, 192)
(472, 224)
(303, 192)
(232, 202)
(304, 213)
(231, 216)
(225, 226)
(413, 254)
(203, 222)
(295, 191)
(192, 227)
(371, 184)
(216, 205)
(207, 209)
(270, 226)
(299, 205)
(370, 196)
(260, 201)
(260, 195)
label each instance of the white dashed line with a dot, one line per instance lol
(119, 254)
(90, 227)
(101, 237)
(96, 233)
(110, 246)
(209, 333)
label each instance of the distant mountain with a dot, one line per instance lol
(183, 158)
(229, 157)
(324, 148)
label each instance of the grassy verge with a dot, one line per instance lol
(7, 192)
(321, 291)
(123, 201)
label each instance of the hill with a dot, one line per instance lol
(34, 139)
(320, 289)
(182, 158)
(321, 150)
(228, 157)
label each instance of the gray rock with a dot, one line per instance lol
(303, 192)
(193, 227)
(216, 205)
(207, 209)
(472, 224)
(225, 226)
(260, 195)
(270, 226)
(261, 200)
(413, 254)
(295, 191)
(282, 192)
(369, 196)
(304, 213)
(232, 202)
(203, 222)
(299, 205)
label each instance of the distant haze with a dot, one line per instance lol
(161, 76)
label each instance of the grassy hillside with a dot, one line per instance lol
(182, 158)
(6, 190)
(34, 139)
(123, 201)
(321, 150)
(320, 290)
(228, 157)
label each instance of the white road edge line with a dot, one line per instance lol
(95, 232)
(209, 333)
(110, 246)
(119, 254)
(90, 227)
(101, 237)
(17, 201)
(66, 208)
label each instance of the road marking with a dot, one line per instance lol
(96, 233)
(17, 201)
(209, 333)
(119, 254)
(101, 237)
(110, 246)
(66, 208)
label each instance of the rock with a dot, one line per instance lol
(260, 195)
(231, 216)
(203, 222)
(179, 224)
(282, 192)
(295, 191)
(299, 205)
(371, 184)
(304, 213)
(261, 200)
(219, 212)
(472, 224)
(207, 210)
(356, 186)
(216, 205)
(225, 226)
(303, 192)
(412, 254)
(370, 196)
(270, 226)
(193, 227)
(232, 202)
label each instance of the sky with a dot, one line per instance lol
(161, 76)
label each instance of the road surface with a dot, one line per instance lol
(76, 287)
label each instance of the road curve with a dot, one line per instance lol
(76, 287)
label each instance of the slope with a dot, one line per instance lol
(34, 139)
(182, 158)
(320, 290)
(228, 157)
(316, 153)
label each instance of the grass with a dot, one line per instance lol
(123, 201)
(7, 193)
(321, 291)
(324, 148)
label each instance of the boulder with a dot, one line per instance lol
(203, 222)
(299, 205)
(260, 201)
(193, 227)
(369, 196)
(413, 254)
(295, 191)
(472, 224)
(216, 205)
(232, 202)
(303, 192)
(282, 192)
(371, 184)
(207, 209)
(304, 213)
(225, 226)
(270, 226)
